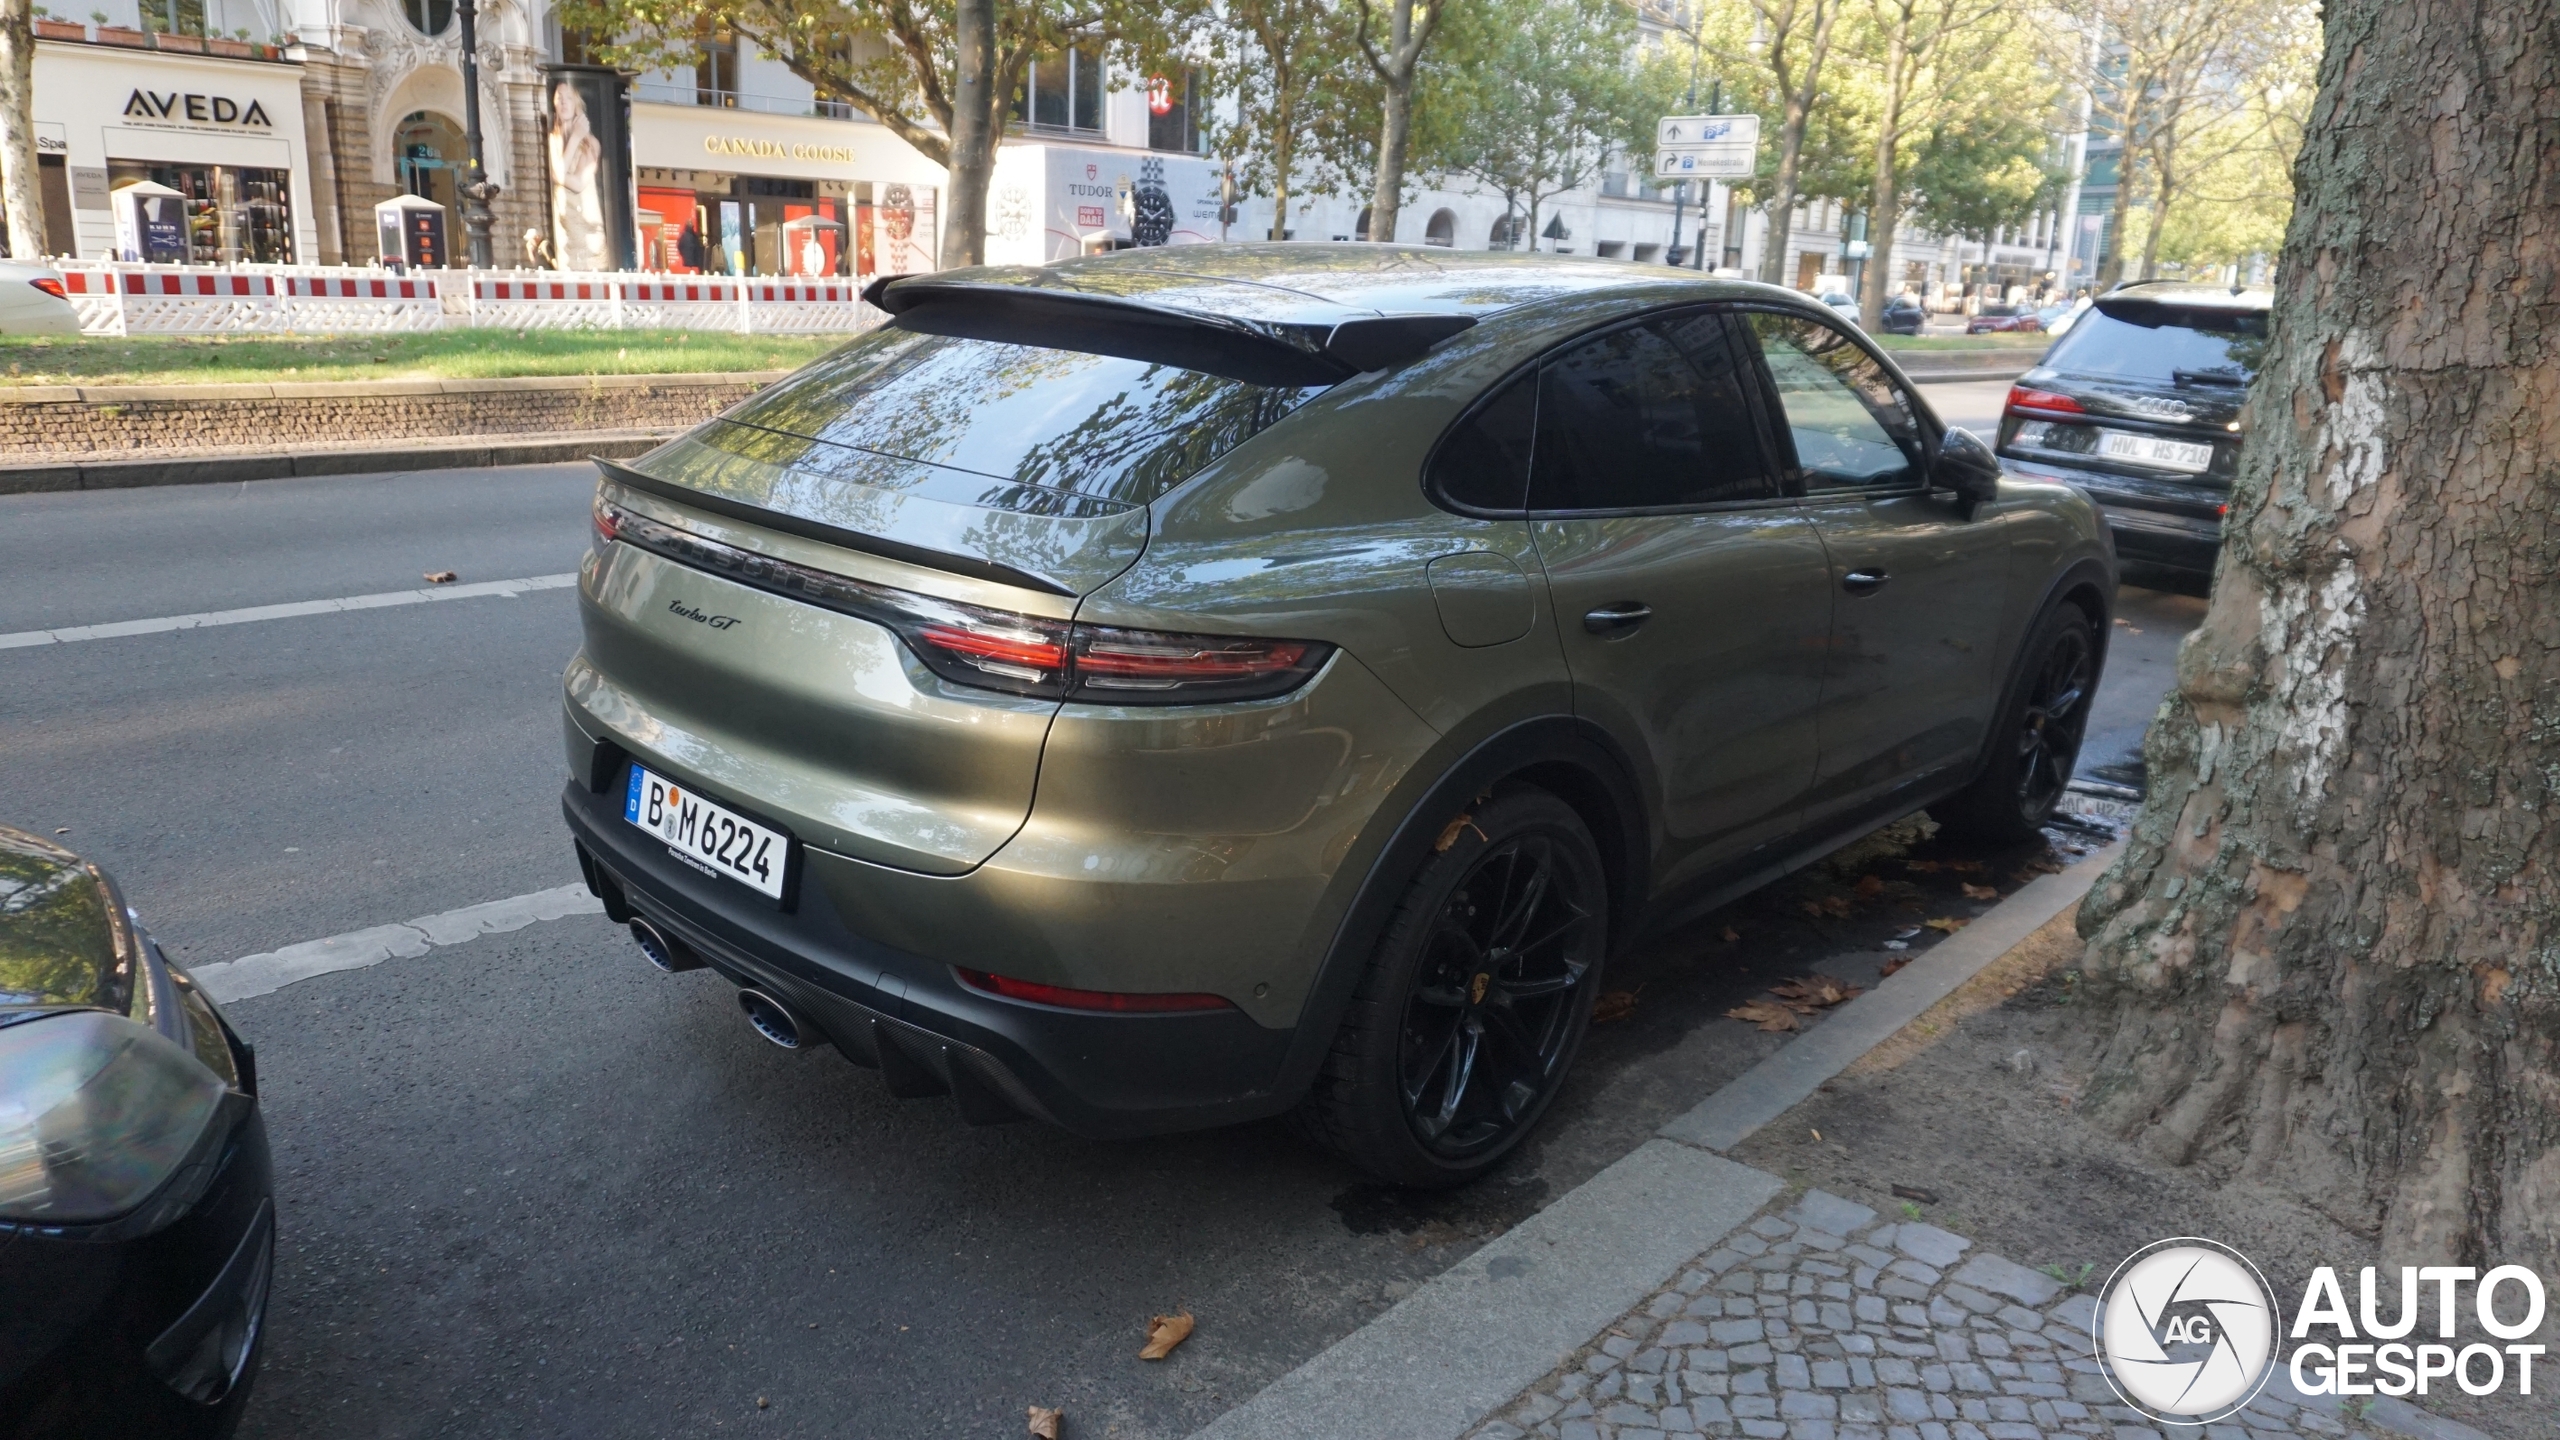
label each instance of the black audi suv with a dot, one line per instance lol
(2139, 404)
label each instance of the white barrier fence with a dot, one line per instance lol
(114, 298)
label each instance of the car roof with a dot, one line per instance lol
(1293, 314)
(1305, 283)
(2189, 295)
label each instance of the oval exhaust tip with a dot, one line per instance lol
(771, 1018)
(654, 946)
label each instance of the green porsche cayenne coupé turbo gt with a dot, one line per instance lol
(1170, 688)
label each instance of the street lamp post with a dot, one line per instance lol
(477, 192)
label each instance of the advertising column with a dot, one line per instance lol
(594, 206)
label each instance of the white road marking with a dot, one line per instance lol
(270, 971)
(507, 589)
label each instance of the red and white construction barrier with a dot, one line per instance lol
(115, 298)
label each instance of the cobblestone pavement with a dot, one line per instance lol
(1817, 1323)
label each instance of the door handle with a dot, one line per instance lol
(1619, 619)
(1864, 582)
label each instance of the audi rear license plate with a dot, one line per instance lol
(2185, 455)
(707, 835)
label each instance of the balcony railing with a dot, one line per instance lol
(678, 92)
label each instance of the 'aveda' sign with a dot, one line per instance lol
(195, 109)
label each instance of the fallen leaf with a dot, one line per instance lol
(1948, 923)
(440, 577)
(1895, 963)
(1613, 1005)
(1449, 836)
(1813, 992)
(1835, 906)
(1965, 867)
(1980, 892)
(1164, 1332)
(1914, 1192)
(1044, 1422)
(1731, 935)
(1765, 1015)
(762, 1402)
(1923, 867)
(1817, 1134)
(1870, 886)
(62, 830)
(2040, 865)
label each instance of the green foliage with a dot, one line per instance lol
(1528, 141)
(473, 354)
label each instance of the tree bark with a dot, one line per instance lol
(974, 129)
(2332, 947)
(1797, 91)
(1407, 33)
(1885, 203)
(20, 192)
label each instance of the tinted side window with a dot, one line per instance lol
(1484, 462)
(1851, 429)
(2164, 345)
(1647, 416)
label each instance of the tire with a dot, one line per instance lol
(1475, 1001)
(2035, 740)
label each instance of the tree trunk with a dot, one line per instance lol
(20, 194)
(974, 128)
(1886, 202)
(2119, 215)
(2332, 946)
(2164, 190)
(1395, 129)
(1796, 101)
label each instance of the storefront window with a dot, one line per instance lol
(1062, 92)
(429, 17)
(706, 223)
(1173, 112)
(233, 214)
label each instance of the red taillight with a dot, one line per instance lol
(50, 286)
(1001, 649)
(1033, 656)
(1109, 661)
(1071, 999)
(2025, 401)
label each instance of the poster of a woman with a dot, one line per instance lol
(577, 193)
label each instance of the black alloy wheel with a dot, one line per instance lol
(2035, 740)
(2055, 715)
(1475, 1000)
(1488, 1022)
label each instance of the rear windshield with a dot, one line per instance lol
(1094, 426)
(2164, 344)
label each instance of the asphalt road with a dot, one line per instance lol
(531, 1186)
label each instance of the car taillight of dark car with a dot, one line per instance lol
(992, 649)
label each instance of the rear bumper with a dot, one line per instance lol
(2144, 534)
(1100, 1075)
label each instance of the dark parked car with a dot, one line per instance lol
(1165, 689)
(2139, 404)
(137, 1216)
(1998, 317)
(1903, 315)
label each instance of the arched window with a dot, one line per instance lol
(429, 17)
(1360, 231)
(1443, 229)
(1506, 234)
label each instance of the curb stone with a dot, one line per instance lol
(1605, 1245)
(475, 452)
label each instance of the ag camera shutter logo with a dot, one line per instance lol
(2186, 1331)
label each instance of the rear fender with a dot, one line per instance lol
(1569, 756)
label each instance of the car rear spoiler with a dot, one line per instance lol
(1255, 352)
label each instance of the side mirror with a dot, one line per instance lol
(1967, 466)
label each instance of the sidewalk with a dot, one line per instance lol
(1681, 1292)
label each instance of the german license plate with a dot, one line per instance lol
(2186, 455)
(706, 835)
